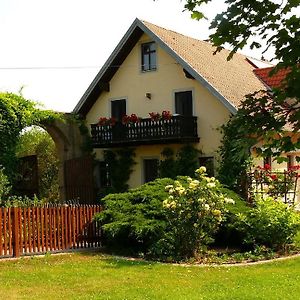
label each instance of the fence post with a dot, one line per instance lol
(15, 232)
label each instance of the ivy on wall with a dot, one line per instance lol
(184, 162)
(120, 164)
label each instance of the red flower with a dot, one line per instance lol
(166, 115)
(155, 116)
(274, 177)
(125, 119)
(134, 118)
(113, 121)
(102, 121)
(267, 167)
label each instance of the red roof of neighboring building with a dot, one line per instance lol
(273, 81)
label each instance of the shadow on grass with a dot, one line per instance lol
(117, 259)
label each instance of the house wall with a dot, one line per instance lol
(131, 83)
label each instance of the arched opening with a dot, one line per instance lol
(38, 165)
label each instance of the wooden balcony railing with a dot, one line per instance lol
(179, 129)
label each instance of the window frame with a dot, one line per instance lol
(181, 91)
(143, 159)
(150, 68)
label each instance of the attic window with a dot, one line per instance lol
(149, 56)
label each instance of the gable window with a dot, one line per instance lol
(148, 56)
(118, 109)
(150, 169)
(208, 163)
(184, 103)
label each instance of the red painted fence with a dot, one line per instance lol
(25, 231)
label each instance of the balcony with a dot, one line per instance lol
(178, 129)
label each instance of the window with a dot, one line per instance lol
(103, 176)
(208, 163)
(184, 103)
(150, 169)
(148, 56)
(118, 109)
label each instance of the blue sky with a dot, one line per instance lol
(43, 42)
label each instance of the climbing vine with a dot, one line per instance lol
(184, 162)
(120, 163)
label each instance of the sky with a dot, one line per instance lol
(52, 49)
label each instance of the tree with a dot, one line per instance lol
(268, 115)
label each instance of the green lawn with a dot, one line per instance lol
(95, 276)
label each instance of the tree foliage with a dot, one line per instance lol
(17, 113)
(264, 24)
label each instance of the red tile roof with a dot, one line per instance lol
(273, 81)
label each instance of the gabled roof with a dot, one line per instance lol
(229, 81)
(274, 81)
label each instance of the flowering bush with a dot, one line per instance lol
(194, 209)
(165, 115)
(103, 121)
(276, 184)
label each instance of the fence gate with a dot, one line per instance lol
(79, 179)
(34, 230)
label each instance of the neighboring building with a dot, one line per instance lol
(153, 69)
(276, 81)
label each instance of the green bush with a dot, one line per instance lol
(135, 219)
(270, 223)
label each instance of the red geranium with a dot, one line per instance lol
(166, 115)
(155, 116)
(102, 121)
(133, 118)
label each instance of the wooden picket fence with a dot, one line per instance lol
(34, 230)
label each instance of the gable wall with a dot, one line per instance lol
(130, 83)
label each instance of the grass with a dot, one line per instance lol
(95, 276)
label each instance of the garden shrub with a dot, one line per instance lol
(165, 218)
(270, 223)
(194, 210)
(135, 219)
